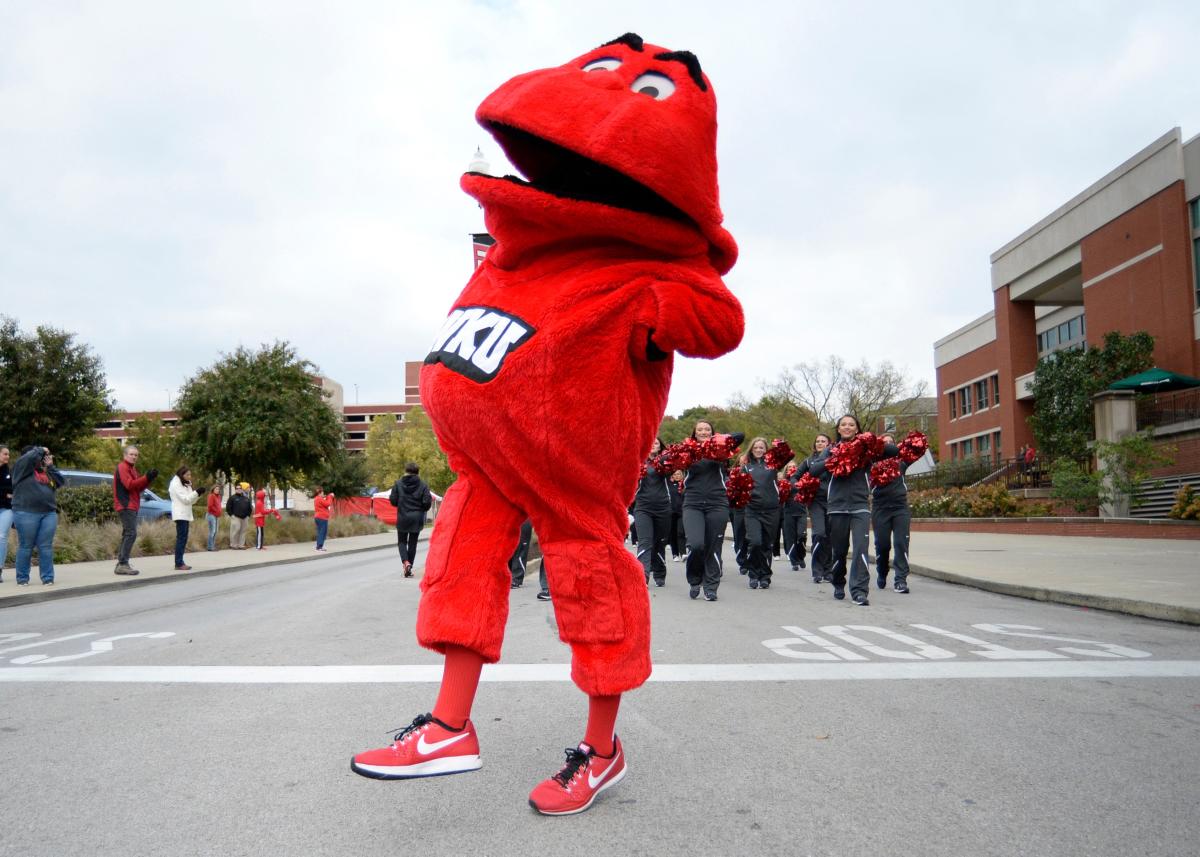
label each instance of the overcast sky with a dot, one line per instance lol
(178, 179)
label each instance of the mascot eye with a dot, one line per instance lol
(657, 86)
(603, 64)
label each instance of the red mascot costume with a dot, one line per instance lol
(549, 379)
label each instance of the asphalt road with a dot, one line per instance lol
(217, 716)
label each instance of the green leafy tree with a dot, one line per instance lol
(342, 474)
(390, 445)
(1064, 382)
(98, 454)
(52, 389)
(259, 416)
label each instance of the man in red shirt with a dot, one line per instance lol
(128, 486)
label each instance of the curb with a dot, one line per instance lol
(1146, 609)
(55, 594)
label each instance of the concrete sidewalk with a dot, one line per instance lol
(1156, 578)
(80, 578)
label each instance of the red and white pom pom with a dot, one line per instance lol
(719, 447)
(738, 488)
(872, 444)
(846, 457)
(806, 489)
(681, 456)
(884, 472)
(778, 455)
(785, 490)
(913, 447)
(642, 472)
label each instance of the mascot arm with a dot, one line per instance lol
(696, 319)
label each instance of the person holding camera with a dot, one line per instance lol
(183, 495)
(35, 480)
(128, 486)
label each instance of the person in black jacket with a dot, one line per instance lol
(35, 481)
(762, 515)
(412, 499)
(817, 508)
(737, 520)
(705, 516)
(652, 518)
(891, 521)
(6, 516)
(238, 507)
(849, 517)
(795, 521)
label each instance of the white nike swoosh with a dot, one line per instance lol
(425, 748)
(593, 782)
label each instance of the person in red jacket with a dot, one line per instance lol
(128, 486)
(260, 518)
(213, 515)
(548, 381)
(322, 506)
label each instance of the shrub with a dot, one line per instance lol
(1072, 485)
(1187, 505)
(82, 503)
(982, 501)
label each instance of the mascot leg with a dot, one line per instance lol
(599, 594)
(464, 600)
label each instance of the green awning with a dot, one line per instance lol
(1155, 381)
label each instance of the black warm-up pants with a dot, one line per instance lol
(795, 537)
(653, 530)
(516, 564)
(891, 541)
(761, 526)
(705, 532)
(848, 534)
(737, 517)
(820, 542)
(407, 543)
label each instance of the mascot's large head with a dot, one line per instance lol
(628, 125)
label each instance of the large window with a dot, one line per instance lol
(1068, 334)
(964, 401)
(995, 390)
(953, 404)
(981, 395)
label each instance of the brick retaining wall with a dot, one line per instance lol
(1124, 528)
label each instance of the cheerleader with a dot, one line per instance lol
(848, 517)
(816, 509)
(705, 516)
(762, 514)
(795, 521)
(652, 518)
(678, 548)
(891, 520)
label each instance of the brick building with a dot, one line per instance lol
(1122, 255)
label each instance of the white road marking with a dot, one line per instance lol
(431, 674)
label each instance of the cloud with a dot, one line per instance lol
(182, 180)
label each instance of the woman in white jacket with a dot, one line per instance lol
(182, 498)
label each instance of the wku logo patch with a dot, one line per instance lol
(475, 340)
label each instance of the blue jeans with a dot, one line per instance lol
(35, 529)
(212, 531)
(6, 522)
(181, 537)
(322, 532)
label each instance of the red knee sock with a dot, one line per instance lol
(602, 723)
(460, 680)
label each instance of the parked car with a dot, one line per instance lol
(152, 509)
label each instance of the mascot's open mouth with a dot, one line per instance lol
(556, 170)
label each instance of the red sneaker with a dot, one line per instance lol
(425, 748)
(585, 775)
